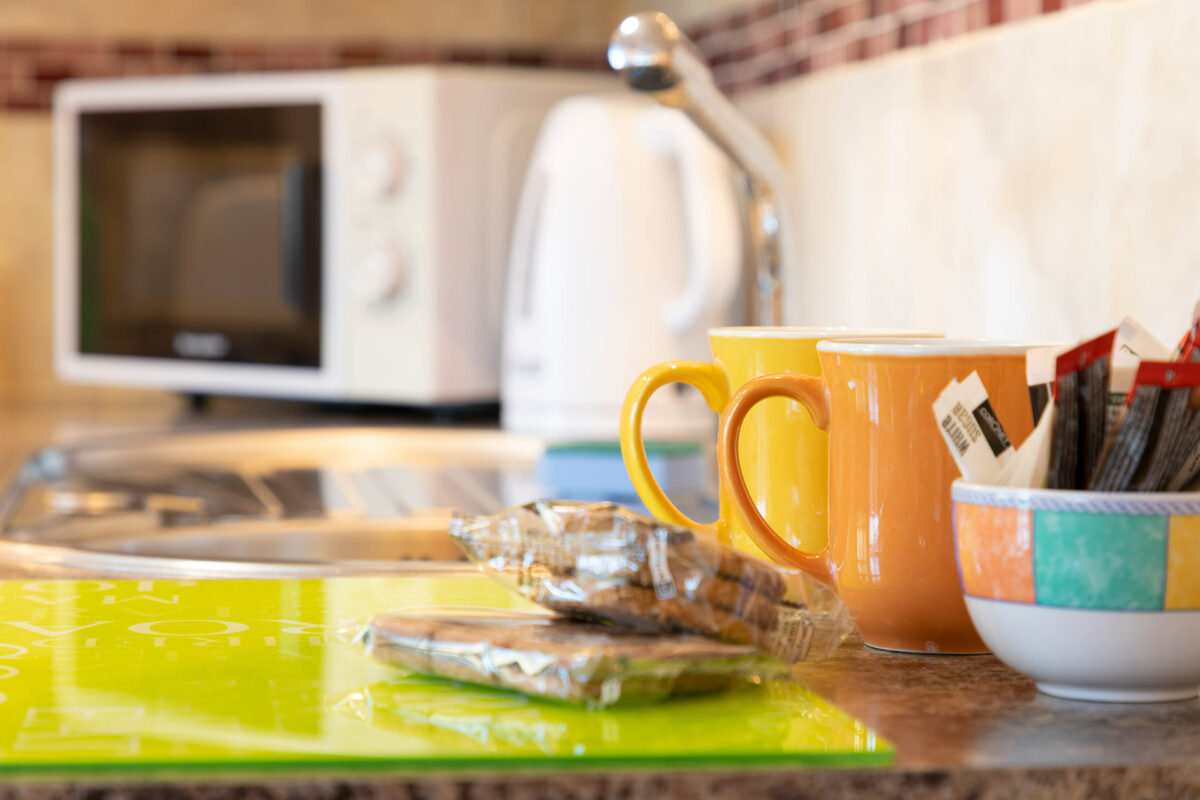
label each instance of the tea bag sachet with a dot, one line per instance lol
(1189, 346)
(1188, 469)
(1081, 393)
(969, 425)
(1132, 345)
(1153, 429)
(1187, 479)
(1179, 428)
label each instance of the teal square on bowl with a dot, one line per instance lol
(1107, 561)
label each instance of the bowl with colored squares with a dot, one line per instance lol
(1093, 595)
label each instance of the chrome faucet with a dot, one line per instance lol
(655, 57)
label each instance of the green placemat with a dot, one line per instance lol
(235, 675)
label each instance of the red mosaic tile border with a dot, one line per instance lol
(30, 68)
(767, 43)
(781, 39)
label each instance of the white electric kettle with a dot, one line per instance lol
(627, 247)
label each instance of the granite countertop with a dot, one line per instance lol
(962, 726)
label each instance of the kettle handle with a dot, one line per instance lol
(712, 227)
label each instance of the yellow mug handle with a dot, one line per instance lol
(811, 393)
(712, 383)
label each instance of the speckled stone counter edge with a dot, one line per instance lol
(1034, 784)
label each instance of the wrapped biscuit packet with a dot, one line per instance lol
(601, 562)
(557, 659)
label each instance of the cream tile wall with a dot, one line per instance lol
(26, 369)
(1036, 180)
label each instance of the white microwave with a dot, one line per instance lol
(339, 235)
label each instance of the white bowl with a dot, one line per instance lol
(1094, 595)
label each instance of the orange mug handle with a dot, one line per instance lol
(813, 395)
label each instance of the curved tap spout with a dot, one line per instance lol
(655, 57)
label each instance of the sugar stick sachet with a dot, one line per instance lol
(1031, 463)
(971, 430)
(1039, 373)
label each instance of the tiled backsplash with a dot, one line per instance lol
(45, 41)
(767, 42)
(1034, 180)
(30, 67)
(748, 45)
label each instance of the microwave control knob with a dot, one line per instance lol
(383, 168)
(380, 277)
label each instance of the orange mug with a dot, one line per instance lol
(890, 554)
(785, 456)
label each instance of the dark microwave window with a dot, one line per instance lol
(200, 234)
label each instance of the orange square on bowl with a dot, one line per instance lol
(995, 552)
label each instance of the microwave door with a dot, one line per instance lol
(207, 236)
(241, 291)
(230, 269)
(295, 207)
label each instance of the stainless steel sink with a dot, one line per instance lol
(296, 502)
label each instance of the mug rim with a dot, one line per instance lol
(916, 346)
(818, 332)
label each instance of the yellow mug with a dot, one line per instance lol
(891, 553)
(783, 455)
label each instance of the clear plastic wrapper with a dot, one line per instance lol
(559, 659)
(598, 561)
